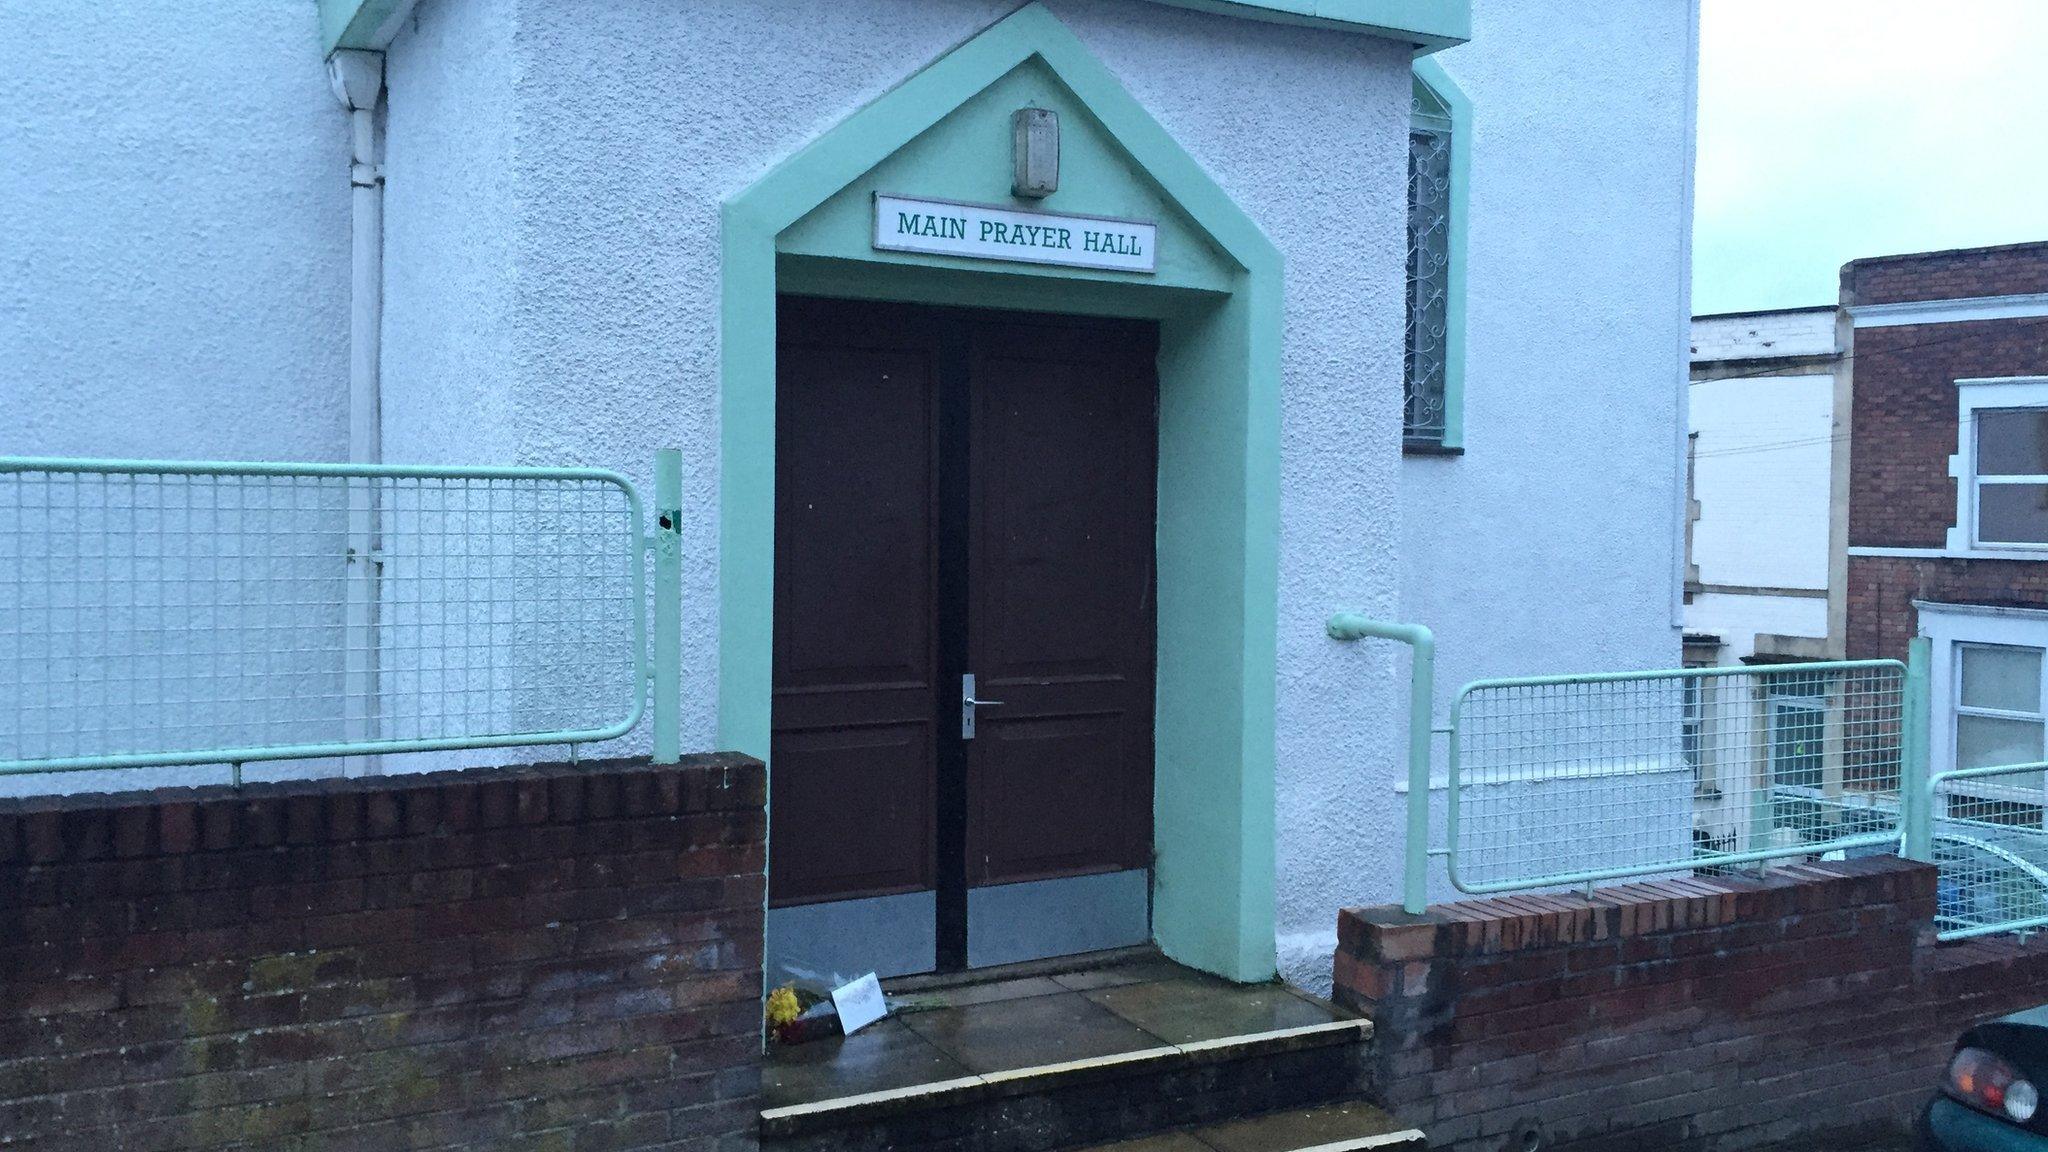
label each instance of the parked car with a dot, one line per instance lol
(1989, 1099)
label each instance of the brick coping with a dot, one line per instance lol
(1500, 924)
(344, 809)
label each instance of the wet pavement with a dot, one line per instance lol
(943, 1031)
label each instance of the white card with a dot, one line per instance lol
(859, 1003)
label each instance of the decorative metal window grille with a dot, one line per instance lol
(1429, 264)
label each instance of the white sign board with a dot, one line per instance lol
(986, 232)
(859, 1004)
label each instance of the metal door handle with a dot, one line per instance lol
(968, 704)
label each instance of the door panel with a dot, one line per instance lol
(1061, 616)
(960, 492)
(854, 725)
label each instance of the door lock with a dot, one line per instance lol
(968, 704)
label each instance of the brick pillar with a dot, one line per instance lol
(1697, 1013)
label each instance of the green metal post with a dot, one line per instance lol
(1916, 805)
(668, 605)
(1421, 722)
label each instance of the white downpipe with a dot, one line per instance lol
(358, 80)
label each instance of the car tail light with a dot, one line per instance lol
(1986, 1081)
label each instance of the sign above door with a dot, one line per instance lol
(988, 232)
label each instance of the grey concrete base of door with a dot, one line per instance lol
(834, 942)
(1010, 923)
(830, 943)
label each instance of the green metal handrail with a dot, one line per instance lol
(1350, 626)
(661, 674)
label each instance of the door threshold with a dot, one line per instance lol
(1050, 966)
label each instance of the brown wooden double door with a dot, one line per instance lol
(961, 493)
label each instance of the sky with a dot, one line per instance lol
(1834, 129)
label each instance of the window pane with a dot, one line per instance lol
(1798, 737)
(1990, 741)
(2012, 442)
(2008, 679)
(1429, 263)
(2012, 513)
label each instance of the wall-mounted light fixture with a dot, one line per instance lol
(1035, 153)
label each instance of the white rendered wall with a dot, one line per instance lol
(1761, 457)
(174, 281)
(1764, 335)
(1760, 474)
(1551, 544)
(631, 126)
(555, 175)
(451, 236)
(1737, 619)
(175, 278)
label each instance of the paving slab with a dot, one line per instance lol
(1183, 1010)
(881, 1056)
(1007, 1034)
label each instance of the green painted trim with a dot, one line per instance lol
(1220, 370)
(1430, 25)
(666, 543)
(1458, 106)
(368, 24)
(1916, 792)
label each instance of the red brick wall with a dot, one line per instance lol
(562, 957)
(1694, 1014)
(2007, 270)
(1905, 411)
(1882, 589)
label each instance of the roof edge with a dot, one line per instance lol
(1430, 25)
(1763, 312)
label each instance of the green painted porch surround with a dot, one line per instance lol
(367, 24)
(1431, 25)
(943, 133)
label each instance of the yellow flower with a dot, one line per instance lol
(782, 1006)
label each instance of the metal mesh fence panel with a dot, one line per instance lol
(1570, 780)
(1989, 842)
(157, 613)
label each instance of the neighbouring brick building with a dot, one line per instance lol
(1946, 474)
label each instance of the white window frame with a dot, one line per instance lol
(1953, 627)
(1782, 706)
(1972, 397)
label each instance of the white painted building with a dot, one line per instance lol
(1762, 438)
(1415, 316)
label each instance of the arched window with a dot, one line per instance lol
(1438, 136)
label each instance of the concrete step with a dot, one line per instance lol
(1165, 1089)
(1344, 1126)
